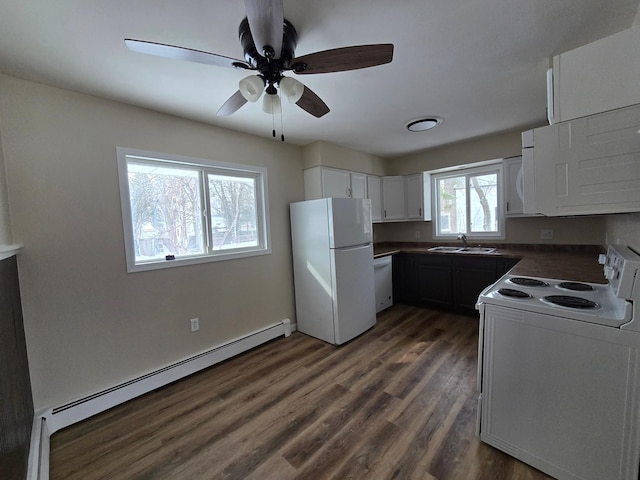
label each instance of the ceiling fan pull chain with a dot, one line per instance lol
(273, 124)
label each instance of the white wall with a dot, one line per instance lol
(89, 324)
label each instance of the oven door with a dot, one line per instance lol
(561, 395)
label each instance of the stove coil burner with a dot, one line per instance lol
(510, 292)
(576, 286)
(571, 302)
(528, 282)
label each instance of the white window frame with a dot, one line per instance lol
(207, 166)
(485, 168)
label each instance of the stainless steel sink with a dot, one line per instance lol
(477, 250)
(445, 249)
(462, 249)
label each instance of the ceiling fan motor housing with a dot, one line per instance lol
(270, 68)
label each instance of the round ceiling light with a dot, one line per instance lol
(423, 124)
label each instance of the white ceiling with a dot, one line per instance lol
(479, 64)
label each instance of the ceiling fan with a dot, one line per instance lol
(269, 42)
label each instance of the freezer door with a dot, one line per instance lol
(350, 222)
(354, 292)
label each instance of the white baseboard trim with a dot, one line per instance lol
(48, 421)
(38, 465)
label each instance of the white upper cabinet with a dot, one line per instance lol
(374, 193)
(324, 182)
(418, 188)
(513, 187)
(358, 185)
(393, 198)
(597, 77)
(585, 166)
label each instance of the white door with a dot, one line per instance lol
(349, 222)
(374, 193)
(415, 197)
(354, 292)
(336, 183)
(393, 198)
(358, 185)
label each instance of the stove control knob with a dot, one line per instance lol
(602, 259)
(609, 272)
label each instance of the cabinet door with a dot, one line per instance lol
(597, 77)
(589, 165)
(470, 277)
(393, 198)
(415, 197)
(513, 192)
(433, 280)
(404, 280)
(374, 193)
(336, 183)
(358, 185)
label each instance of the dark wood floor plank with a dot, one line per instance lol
(398, 402)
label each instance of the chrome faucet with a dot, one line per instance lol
(463, 237)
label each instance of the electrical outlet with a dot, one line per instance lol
(546, 234)
(195, 324)
(417, 233)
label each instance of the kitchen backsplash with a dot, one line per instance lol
(588, 230)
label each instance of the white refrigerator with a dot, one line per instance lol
(332, 240)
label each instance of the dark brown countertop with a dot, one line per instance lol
(562, 262)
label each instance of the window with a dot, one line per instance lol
(469, 201)
(181, 211)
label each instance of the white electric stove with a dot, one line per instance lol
(559, 371)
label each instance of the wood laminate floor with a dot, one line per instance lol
(398, 402)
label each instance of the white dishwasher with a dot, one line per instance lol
(383, 273)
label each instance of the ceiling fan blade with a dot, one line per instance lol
(232, 105)
(345, 58)
(181, 53)
(312, 103)
(266, 22)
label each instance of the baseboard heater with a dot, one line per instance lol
(51, 420)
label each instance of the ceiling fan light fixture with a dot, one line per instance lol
(423, 124)
(251, 87)
(292, 89)
(271, 103)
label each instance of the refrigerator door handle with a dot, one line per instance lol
(355, 247)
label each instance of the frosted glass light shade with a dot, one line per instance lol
(271, 103)
(251, 87)
(291, 89)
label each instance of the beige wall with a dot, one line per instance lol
(485, 148)
(331, 155)
(6, 238)
(566, 231)
(89, 324)
(625, 229)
